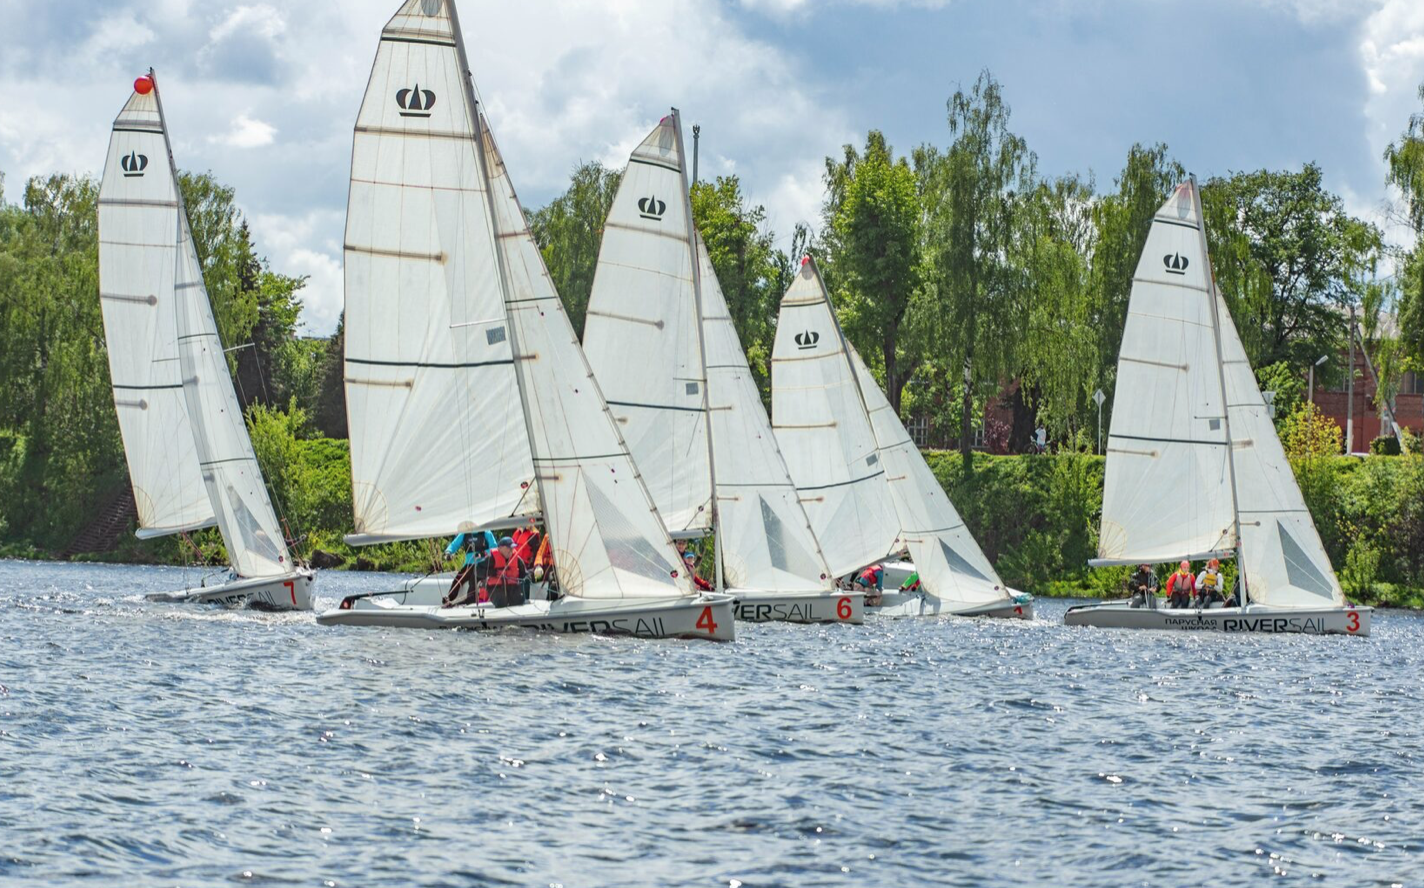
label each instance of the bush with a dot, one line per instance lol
(1385, 445)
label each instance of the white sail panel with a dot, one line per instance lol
(767, 542)
(255, 543)
(138, 237)
(608, 539)
(1167, 492)
(438, 442)
(824, 433)
(949, 561)
(1285, 562)
(641, 333)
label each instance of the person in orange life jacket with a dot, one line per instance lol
(506, 575)
(1180, 586)
(466, 586)
(690, 560)
(874, 575)
(526, 542)
(1209, 583)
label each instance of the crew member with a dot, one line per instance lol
(466, 587)
(1142, 587)
(1180, 586)
(874, 575)
(689, 559)
(506, 575)
(1209, 585)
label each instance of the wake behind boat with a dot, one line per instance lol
(189, 456)
(1189, 417)
(443, 278)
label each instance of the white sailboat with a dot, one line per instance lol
(1194, 466)
(434, 219)
(861, 474)
(190, 458)
(688, 405)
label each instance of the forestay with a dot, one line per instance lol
(1284, 560)
(641, 333)
(767, 544)
(608, 539)
(1167, 491)
(138, 238)
(950, 564)
(824, 433)
(438, 442)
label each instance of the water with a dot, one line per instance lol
(159, 744)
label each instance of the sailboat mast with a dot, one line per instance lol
(473, 104)
(701, 352)
(1221, 382)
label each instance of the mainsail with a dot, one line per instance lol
(824, 432)
(641, 334)
(768, 544)
(138, 241)
(950, 564)
(608, 538)
(1167, 492)
(438, 442)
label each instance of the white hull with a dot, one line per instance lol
(707, 616)
(804, 607)
(918, 604)
(287, 593)
(1252, 619)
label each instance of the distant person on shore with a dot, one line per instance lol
(1181, 586)
(1142, 587)
(1209, 584)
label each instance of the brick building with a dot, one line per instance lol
(1408, 407)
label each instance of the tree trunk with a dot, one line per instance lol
(966, 415)
(893, 386)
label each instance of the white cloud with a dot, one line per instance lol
(1392, 54)
(248, 132)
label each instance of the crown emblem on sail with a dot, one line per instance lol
(415, 102)
(133, 163)
(808, 339)
(651, 208)
(1175, 263)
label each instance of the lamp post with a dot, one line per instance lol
(696, 134)
(1350, 390)
(1099, 398)
(1322, 360)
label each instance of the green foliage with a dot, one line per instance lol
(1309, 434)
(874, 215)
(1385, 445)
(569, 231)
(1288, 385)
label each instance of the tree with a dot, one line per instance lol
(569, 232)
(330, 413)
(979, 188)
(749, 269)
(1287, 259)
(1406, 172)
(874, 213)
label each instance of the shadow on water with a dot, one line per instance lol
(159, 744)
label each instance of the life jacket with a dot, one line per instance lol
(525, 541)
(870, 573)
(545, 556)
(505, 571)
(1210, 581)
(1184, 582)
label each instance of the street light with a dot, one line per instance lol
(1323, 359)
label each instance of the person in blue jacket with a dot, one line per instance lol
(468, 578)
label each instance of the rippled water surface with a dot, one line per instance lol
(160, 744)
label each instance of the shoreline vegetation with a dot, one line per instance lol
(988, 298)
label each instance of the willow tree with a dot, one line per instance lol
(1406, 172)
(873, 213)
(569, 231)
(976, 194)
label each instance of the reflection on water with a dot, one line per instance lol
(159, 744)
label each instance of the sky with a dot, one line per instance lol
(264, 94)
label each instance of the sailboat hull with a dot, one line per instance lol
(292, 592)
(1250, 620)
(708, 617)
(807, 607)
(917, 604)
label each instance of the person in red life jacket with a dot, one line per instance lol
(874, 575)
(690, 560)
(526, 543)
(1181, 586)
(506, 575)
